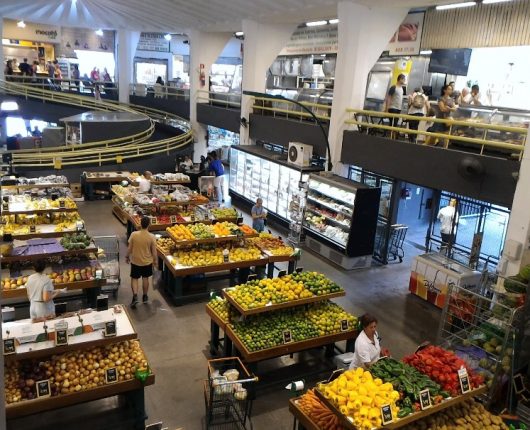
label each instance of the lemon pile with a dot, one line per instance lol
(360, 397)
(199, 257)
(245, 254)
(180, 232)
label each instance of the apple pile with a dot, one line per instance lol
(73, 275)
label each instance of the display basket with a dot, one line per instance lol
(109, 258)
(228, 394)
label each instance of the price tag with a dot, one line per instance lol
(5, 206)
(154, 220)
(99, 274)
(111, 375)
(61, 334)
(192, 217)
(465, 385)
(282, 273)
(62, 204)
(110, 328)
(43, 388)
(32, 229)
(173, 219)
(79, 225)
(287, 337)
(344, 326)
(386, 415)
(9, 346)
(425, 399)
(252, 277)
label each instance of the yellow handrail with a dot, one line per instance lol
(308, 104)
(205, 96)
(291, 112)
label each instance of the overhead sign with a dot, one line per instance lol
(313, 40)
(86, 39)
(407, 39)
(33, 32)
(153, 42)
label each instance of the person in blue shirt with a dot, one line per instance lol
(216, 166)
(259, 214)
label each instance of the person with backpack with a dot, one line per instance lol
(418, 106)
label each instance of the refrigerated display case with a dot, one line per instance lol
(257, 172)
(340, 219)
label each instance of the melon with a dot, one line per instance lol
(525, 273)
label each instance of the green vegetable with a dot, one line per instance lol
(403, 412)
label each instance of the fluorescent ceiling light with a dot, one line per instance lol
(427, 52)
(315, 23)
(9, 106)
(334, 21)
(239, 34)
(21, 24)
(99, 32)
(495, 1)
(167, 37)
(456, 5)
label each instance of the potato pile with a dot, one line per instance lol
(73, 371)
(469, 415)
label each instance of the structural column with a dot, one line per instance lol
(126, 48)
(262, 44)
(516, 251)
(364, 33)
(2, 59)
(204, 50)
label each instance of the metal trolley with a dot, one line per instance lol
(109, 258)
(228, 394)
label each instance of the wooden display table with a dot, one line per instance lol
(100, 183)
(37, 211)
(44, 231)
(70, 286)
(301, 420)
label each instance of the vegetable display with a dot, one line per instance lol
(442, 366)
(311, 405)
(408, 381)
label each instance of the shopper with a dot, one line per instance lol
(418, 106)
(367, 348)
(41, 293)
(142, 256)
(94, 75)
(259, 214)
(76, 75)
(50, 68)
(216, 166)
(475, 95)
(34, 70)
(187, 164)
(144, 182)
(446, 107)
(25, 68)
(448, 218)
(8, 71)
(106, 75)
(394, 100)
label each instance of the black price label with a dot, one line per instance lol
(9, 346)
(5, 206)
(110, 328)
(282, 273)
(425, 399)
(173, 219)
(43, 388)
(465, 385)
(252, 277)
(32, 229)
(386, 414)
(111, 375)
(61, 337)
(287, 337)
(344, 326)
(62, 204)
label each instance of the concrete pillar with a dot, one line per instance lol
(518, 234)
(204, 50)
(262, 44)
(2, 59)
(126, 48)
(364, 33)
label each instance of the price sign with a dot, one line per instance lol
(99, 274)
(252, 277)
(344, 326)
(386, 414)
(111, 375)
(79, 225)
(173, 219)
(32, 229)
(465, 385)
(110, 328)
(287, 337)
(282, 273)
(5, 206)
(192, 217)
(62, 204)
(425, 399)
(43, 388)
(154, 220)
(61, 335)
(9, 346)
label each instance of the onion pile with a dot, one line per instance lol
(73, 371)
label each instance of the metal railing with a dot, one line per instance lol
(112, 150)
(287, 108)
(454, 131)
(156, 91)
(227, 100)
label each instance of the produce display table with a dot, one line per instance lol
(91, 249)
(40, 186)
(409, 418)
(216, 324)
(43, 231)
(301, 420)
(100, 182)
(37, 211)
(70, 286)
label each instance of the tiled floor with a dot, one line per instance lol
(175, 340)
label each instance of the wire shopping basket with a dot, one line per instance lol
(228, 394)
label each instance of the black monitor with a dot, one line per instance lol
(450, 61)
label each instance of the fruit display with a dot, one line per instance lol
(282, 251)
(247, 230)
(73, 371)
(223, 309)
(56, 217)
(75, 241)
(244, 254)
(13, 284)
(442, 367)
(23, 203)
(220, 213)
(165, 244)
(359, 396)
(263, 331)
(273, 245)
(317, 283)
(319, 413)
(225, 228)
(67, 275)
(197, 257)
(408, 381)
(180, 232)
(468, 415)
(202, 231)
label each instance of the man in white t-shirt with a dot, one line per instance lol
(448, 216)
(144, 182)
(394, 100)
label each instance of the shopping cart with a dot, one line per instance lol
(109, 258)
(398, 232)
(228, 394)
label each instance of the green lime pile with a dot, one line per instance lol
(317, 283)
(202, 231)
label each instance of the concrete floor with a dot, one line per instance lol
(175, 340)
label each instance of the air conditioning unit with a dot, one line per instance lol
(300, 154)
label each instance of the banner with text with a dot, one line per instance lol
(313, 40)
(153, 42)
(32, 32)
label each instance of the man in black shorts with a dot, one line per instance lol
(142, 256)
